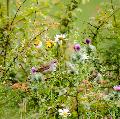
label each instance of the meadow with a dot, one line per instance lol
(59, 59)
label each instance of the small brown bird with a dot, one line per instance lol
(50, 67)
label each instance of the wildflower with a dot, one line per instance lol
(59, 38)
(49, 43)
(116, 88)
(33, 70)
(87, 41)
(38, 44)
(77, 47)
(64, 112)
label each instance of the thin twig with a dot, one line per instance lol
(113, 14)
(98, 27)
(77, 105)
(39, 34)
(22, 18)
(8, 12)
(17, 12)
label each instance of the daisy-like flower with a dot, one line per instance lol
(59, 38)
(64, 112)
(77, 47)
(116, 88)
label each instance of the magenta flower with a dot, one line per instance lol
(87, 41)
(117, 88)
(77, 47)
(33, 69)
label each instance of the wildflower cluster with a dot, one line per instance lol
(52, 67)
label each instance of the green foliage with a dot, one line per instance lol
(85, 75)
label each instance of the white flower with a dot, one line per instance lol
(64, 112)
(92, 47)
(59, 38)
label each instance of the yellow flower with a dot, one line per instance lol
(49, 43)
(38, 43)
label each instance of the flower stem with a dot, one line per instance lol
(77, 105)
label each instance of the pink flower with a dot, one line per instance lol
(77, 47)
(117, 88)
(33, 70)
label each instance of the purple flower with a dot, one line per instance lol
(33, 69)
(87, 41)
(77, 47)
(117, 88)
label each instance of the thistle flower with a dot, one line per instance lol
(77, 47)
(33, 70)
(59, 38)
(64, 112)
(116, 88)
(87, 41)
